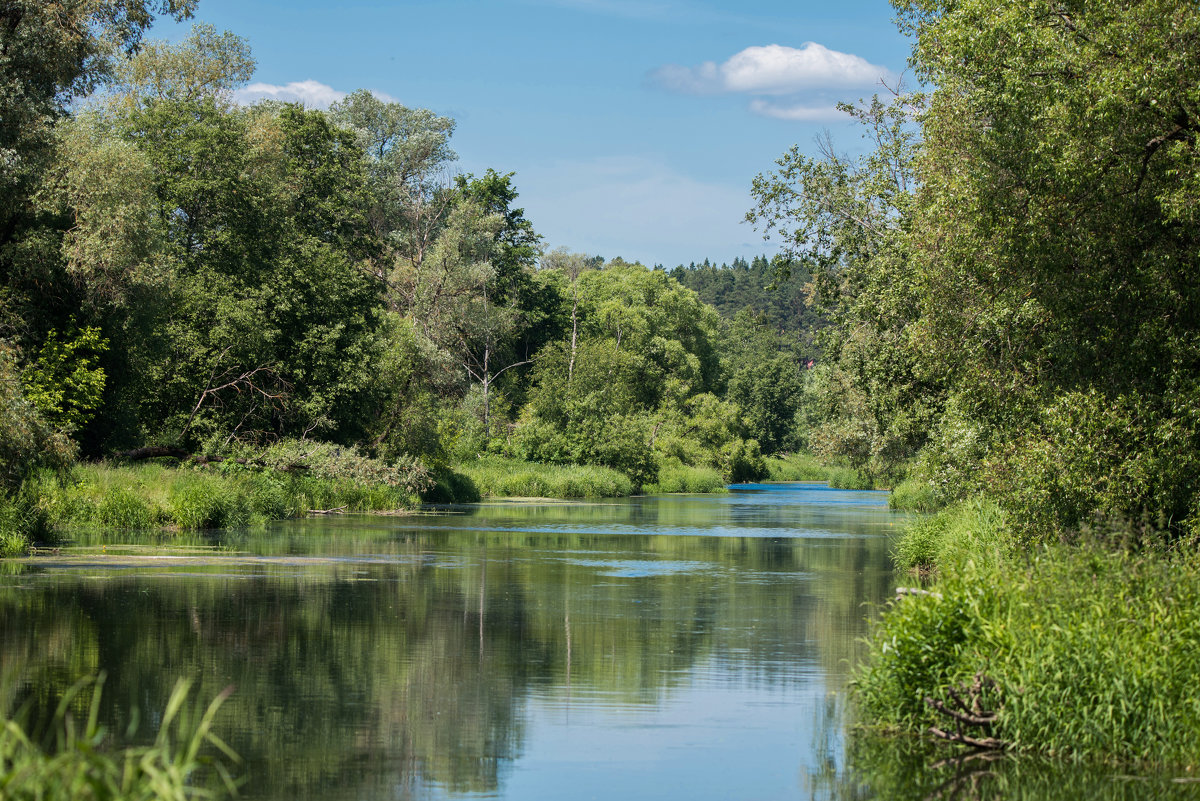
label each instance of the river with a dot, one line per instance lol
(690, 647)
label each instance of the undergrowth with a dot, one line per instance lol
(70, 759)
(498, 477)
(1093, 651)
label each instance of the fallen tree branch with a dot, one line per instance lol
(327, 511)
(986, 743)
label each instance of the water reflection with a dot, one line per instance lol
(691, 646)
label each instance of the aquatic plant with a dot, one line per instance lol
(496, 476)
(70, 758)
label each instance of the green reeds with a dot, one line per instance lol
(69, 759)
(796, 467)
(1093, 653)
(499, 477)
(685, 478)
(152, 496)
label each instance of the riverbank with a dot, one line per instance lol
(191, 495)
(1085, 651)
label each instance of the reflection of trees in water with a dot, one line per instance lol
(904, 767)
(361, 679)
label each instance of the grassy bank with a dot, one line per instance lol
(686, 479)
(500, 477)
(806, 467)
(1092, 651)
(69, 758)
(149, 496)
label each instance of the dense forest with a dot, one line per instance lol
(286, 288)
(995, 311)
(1014, 340)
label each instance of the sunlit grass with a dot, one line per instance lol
(71, 758)
(189, 499)
(1094, 652)
(499, 477)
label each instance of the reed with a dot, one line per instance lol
(500, 477)
(195, 498)
(71, 758)
(687, 479)
(1092, 652)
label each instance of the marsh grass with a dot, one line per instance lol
(806, 467)
(1094, 653)
(69, 757)
(500, 477)
(969, 532)
(687, 479)
(796, 467)
(914, 495)
(152, 496)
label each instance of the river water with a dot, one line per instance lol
(690, 647)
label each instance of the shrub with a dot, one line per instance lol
(682, 478)
(71, 764)
(1093, 652)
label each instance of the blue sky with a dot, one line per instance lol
(634, 128)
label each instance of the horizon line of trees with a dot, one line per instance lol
(179, 270)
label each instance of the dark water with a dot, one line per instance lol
(668, 647)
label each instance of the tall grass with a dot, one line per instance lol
(69, 760)
(914, 495)
(971, 532)
(796, 467)
(1094, 653)
(806, 467)
(499, 477)
(685, 478)
(192, 498)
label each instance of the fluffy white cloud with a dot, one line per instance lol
(313, 94)
(797, 112)
(773, 70)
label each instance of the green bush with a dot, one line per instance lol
(1093, 652)
(1094, 457)
(682, 478)
(70, 763)
(450, 486)
(498, 477)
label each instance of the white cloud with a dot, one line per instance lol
(773, 70)
(637, 208)
(796, 113)
(313, 94)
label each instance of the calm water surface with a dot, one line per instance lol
(665, 647)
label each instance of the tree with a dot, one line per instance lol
(1054, 239)
(407, 151)
(50, 55)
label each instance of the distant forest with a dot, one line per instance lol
(777, 296)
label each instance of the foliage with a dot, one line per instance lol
(796, 467)
(682, 478)
(27, 441)
(70, 760)
(496, 476)
(65, 382)
(758, 287)
(973, 532)
(1092, 652)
